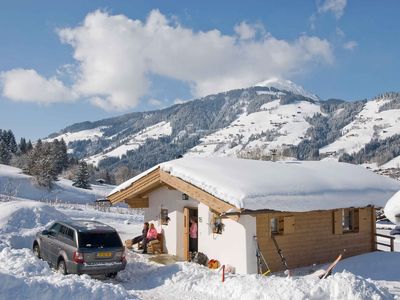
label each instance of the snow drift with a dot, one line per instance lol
(392, 209)
(21, 219)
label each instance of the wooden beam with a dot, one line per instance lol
(197, 193)
(148, 182)
(137, 202)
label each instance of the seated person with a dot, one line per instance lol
(143, 235)
(151, 235)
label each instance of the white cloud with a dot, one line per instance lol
(156, 102)
(115, 56)
(23, 85)
(245, 31)
(336, 7)
(350, 45)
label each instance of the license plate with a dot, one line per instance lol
(104, 254)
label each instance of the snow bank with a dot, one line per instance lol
(282, 186)
(20, 220)
(14, 183)
(23, 276)
(375, 265)
(191, 281)
(392, 209)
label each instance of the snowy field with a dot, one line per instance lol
(13, 183)
(23, 276)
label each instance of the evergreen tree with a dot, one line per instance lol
(5, 154)
(60, 154)
(82, 176)
(22, 146)
(29, 146)
(11, 143)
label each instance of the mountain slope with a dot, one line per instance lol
(273, 116)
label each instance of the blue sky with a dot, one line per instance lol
(63, 62)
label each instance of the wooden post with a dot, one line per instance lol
(223, 273)
(391, 245)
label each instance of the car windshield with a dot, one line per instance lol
(99, 240)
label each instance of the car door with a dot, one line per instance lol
(52, 243)
(57, 244)
(46, 240)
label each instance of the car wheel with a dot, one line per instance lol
(61, 267)
(111, 275)
(36, 250)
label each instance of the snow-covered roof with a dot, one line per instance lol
(283, 186)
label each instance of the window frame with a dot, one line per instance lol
(350, 223)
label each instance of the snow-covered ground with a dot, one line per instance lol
(23, 276)
(13, 183)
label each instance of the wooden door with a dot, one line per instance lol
(186, 233)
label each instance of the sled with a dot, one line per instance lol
(328, 271)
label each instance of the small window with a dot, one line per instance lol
(55, 228)
(282, 225)
(274, 226)
(350, 220)
(67, 232)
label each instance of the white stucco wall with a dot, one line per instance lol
(173, 232)
(235, 246)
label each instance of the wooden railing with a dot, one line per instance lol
(390, 245)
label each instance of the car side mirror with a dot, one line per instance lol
(45, 232)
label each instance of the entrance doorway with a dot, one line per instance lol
(190, 244)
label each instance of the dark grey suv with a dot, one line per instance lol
(81, 247)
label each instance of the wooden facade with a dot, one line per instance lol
(311, 238)
(136, 194)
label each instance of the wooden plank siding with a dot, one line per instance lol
(313, 239)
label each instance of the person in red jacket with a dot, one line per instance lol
(151, 235)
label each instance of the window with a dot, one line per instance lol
(282, 225)
(350, 220)
(55, 228)
(274, 226)
(67, 232)
(99, 240)
(345, 220)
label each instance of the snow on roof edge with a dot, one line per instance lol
(284, 186)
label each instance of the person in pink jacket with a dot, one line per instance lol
(193, 235)
(151, 235)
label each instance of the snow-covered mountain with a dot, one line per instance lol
(275, 116)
